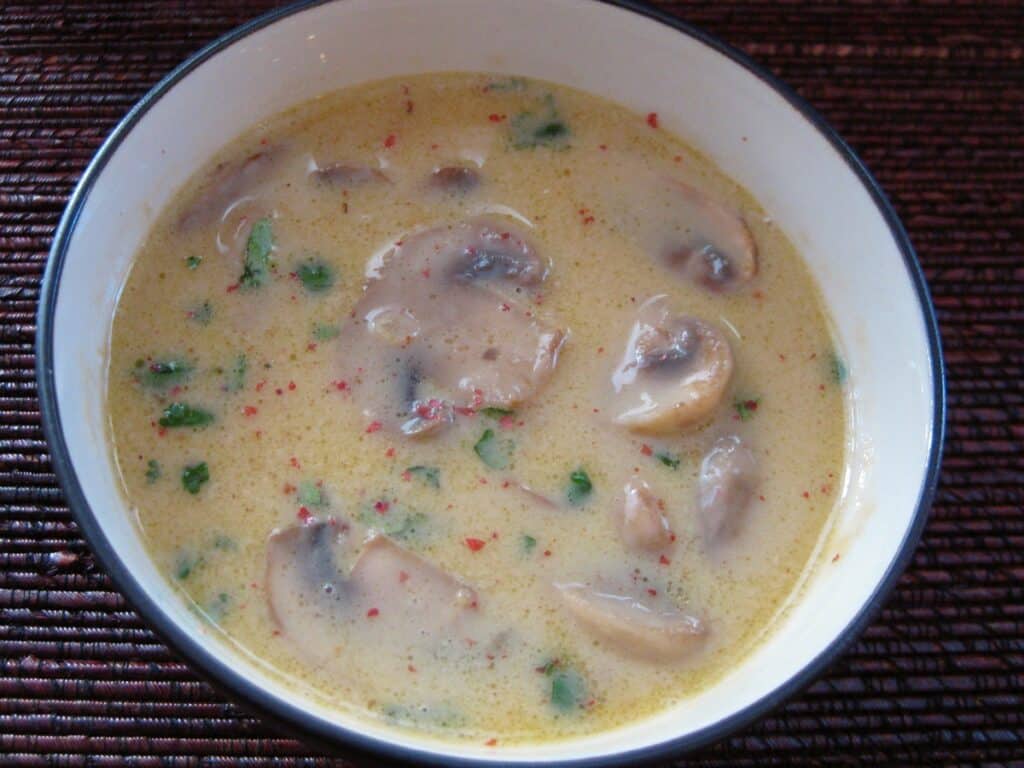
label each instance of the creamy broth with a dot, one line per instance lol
(404, 392)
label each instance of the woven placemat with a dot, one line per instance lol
(931, 96)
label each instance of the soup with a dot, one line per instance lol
(478, 405)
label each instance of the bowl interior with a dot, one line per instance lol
(751, 130)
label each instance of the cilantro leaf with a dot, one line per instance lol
(193, 477)
(192, 262)
(325, 332)
(152, 471)
(579, 488)
(493, 412)
(311, 495)
(429, 475)
(544, 128)
(494, 452)
(745, 408)
(837, 369)
(258, 247)
(527, 543)
(184, 415)
(236, 376)
(670, 460)
(316, 276)
(165, 373)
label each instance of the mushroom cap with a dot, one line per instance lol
(642, 524)
(674, 372)
(642, 627)
(728, 478)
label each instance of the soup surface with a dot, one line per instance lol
(476, 404)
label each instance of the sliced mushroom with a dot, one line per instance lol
(444, 309)
(313, 600)
(228, 183)
(455, 179)
(347, 176)
(728, 478)
(674, 373)
(641, 522)
(649, 628)
(713, 245)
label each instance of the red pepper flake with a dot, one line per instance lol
(491, 743)
(233, 287)
(294, 462)
(821, 387)
(374, 426)
(806, 495)
(162, 431)
(494, 117)
(600, 350)
(483, 481)
(175, 390)
(411, 668)
(372, 613)
(652, 592)
(408, 106)
(547, 553)
(311, 347)
(758, 295)
(588, 220)
(478, 398)
(407, 476)
(381, 506)
(389, 142)
(303, 514)
(646, 450)
(664, 560)
(341, 385)
(425, 272)
(390, 453)
(603, 147)
(782, 357)
(288, 488)
(250, 410)
(494, 535)
(505, 307)
(836, 558)
(507, 422)
(678, 159)
(402, 577)
(475, 544)
(652, 119)
(261, 385)
(671, 537)
(761, 497)
(278, 391)
(291, 386)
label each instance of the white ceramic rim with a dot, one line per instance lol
(333, 735)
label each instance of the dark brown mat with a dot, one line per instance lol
(931, 95)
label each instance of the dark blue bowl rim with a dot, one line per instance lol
(351, 743)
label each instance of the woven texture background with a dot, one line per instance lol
(932, 97)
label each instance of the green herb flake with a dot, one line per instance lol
(507, 85)
(527, 544)
(428, 475)
(580, 487)
(185, 415)
(670, 460)
(316, 276)
(224, 543)
(186, 564)
(495, 452)
(258, 247)
(493, 412)
(325, 332)
(311, 495)
(568, 688)
(745, 408)
(543, 128)
(394, 520)
(152, 471)
(164, 373)
(236, 376)
(193, 262)
(218, 608)
(193, 477)
(837, 369)
(201, 313)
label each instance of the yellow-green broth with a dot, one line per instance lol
(292, 421)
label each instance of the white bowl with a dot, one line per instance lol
(756, 129)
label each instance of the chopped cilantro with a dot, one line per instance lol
(527, 543)
(507, 84)
(568, 688)
(202, 313)
(218, 607)
(394, 520)
(184, 415)
(745, 408)
(152, 471)
(429, 475)
(236, 376)
(494, 452)
(165, 373)
(316, 276)
(186, 564)
(224, 543)
(257, 255)
(837, 368)
(193, 477)
(494, 412)
(544, 128)
(325, 332)
(193, 261)
(579, 488)
(311, 494)
(670, 460)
